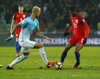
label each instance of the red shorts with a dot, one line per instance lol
(74, 39)
(17, 33)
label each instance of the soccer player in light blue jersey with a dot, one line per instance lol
(28, 25)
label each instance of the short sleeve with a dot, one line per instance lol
(37, 27)
(14, 16)
(23, 23)
(81, 19)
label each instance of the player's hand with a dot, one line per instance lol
(84, 40)
(66, 33)
(8, 39)
(49, 39)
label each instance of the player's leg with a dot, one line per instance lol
(43, 54)
(17, 60)
(70, 44)
(20, 58)
(77, 49)
(77, 55)
(41, 51)
(64, 53)
(18, 47)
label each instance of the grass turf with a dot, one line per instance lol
(31, 67)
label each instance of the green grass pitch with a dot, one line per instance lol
(30, 68)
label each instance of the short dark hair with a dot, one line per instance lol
(20, 5)
(72, 8)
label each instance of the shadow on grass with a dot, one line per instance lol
(69, 68)
(84, 68)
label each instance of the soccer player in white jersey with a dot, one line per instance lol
(28, 25)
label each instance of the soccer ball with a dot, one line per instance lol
(58, 65)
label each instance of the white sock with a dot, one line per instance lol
(43, 55)
(17, 60)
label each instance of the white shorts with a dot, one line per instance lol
(26, 45)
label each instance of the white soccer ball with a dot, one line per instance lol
(58, 65)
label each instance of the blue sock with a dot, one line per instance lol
(64, 54)
(18, 47)
(77, 55)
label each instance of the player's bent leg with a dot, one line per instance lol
(26, 45)
(77, 55)
(38, 45)
(43, 55)
(78, 48)
(68, 46)
(64, 53)
(17, 60)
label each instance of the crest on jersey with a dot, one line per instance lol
(76, 21)
(33, 27)
(16, 34)
(83, 20)
(24, 16)
(35, 24)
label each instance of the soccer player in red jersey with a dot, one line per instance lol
(81, 32)
(18, 17)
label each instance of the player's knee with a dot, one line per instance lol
(41, 45)
(21, 58)
(65, 50)
(38, 45)
(26, 53)
(76, 51)
(26, 56)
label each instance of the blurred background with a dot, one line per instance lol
(54, 18)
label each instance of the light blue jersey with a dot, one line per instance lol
(28, 25)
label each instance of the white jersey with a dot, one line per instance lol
(28, 25)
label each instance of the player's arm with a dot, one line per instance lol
(13, 31)
(86, 30)
(15, 28)
(69, 31)
(43, 36)
(85, 25)
(12, 25)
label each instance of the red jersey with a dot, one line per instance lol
(79, 26)
(19, 17)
